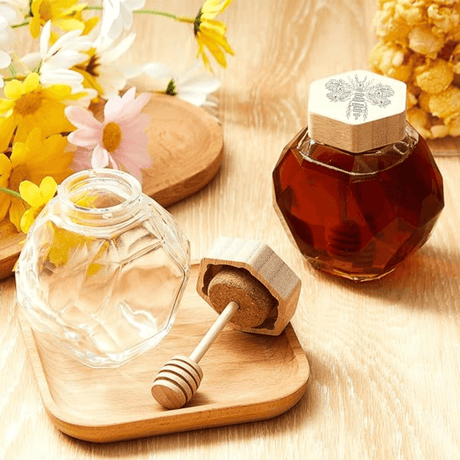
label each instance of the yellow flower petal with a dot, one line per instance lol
(201, 52)
(211, 8)
(13, 89)
(27, 219)
(7, 126)
(5, 201)
(69, 24)
(212, 24)
(64, 243)
(5, 106)
(5, 167)
(17, 209)
(31, 83)
(48, 187)
(35, 8)
(90, 24)
(30, 192)
(57, 92)
(62, 5)
(219, 56)
(35, 139)
(219, 39)
(19, 153)
(75, 8)
(34, 27)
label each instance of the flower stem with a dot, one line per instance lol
(16, 26)
(153, 12)
(11, 192)
(156, 13)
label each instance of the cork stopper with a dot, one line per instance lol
(251, 295)
(357, 111)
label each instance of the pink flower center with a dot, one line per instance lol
(111, 136)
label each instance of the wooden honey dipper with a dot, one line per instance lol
(252, 289)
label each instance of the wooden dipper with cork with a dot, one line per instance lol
(251, 288)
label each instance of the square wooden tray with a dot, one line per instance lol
(247, 377)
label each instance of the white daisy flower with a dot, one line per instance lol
(101, 70)
(194, 85)
(58, 59)
(117, 15)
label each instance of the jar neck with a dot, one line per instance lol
(407, 143)
(100, 197)
(361, 164)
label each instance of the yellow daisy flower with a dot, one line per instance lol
(29, 105)
(36, 197)
(64, 14)
(210, 33)
(32, 160)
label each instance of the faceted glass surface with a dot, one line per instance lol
(103, 269)
(358, 215)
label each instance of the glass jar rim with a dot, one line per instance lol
(132, 188)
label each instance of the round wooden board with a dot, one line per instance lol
(186, 146)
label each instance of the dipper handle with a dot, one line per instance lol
(214, 331)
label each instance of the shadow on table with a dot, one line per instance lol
(422, 280)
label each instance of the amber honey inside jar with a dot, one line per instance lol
(358, 214)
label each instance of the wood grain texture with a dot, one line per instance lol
(385, 357)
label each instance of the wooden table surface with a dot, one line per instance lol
(384, 356)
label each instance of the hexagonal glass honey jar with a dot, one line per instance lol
(358, 189)
(103, 269)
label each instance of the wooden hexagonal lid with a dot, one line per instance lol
(264, 265)
(357, 111)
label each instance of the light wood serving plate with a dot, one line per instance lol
(186, 146)
(247, 377)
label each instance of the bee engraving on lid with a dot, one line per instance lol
(359, 93)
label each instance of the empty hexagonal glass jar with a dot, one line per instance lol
(103, 269)
(358, 191)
